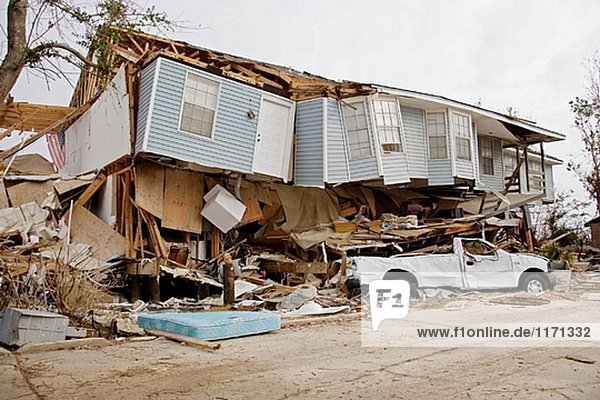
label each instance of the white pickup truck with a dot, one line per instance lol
(473, 264)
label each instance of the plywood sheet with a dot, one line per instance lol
(27, 192)
(149, 188)
(183, 200)
(88, 229)
(3, 197)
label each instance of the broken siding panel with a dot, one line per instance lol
(440, 172)
(234, 133)
(337, 157)
(144, 99)
(414, 132)
(496, 180)
(395, 168)
(309, 143)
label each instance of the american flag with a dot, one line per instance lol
(56, 146)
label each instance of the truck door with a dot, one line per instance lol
(485, 266)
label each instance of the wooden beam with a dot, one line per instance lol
(72, 115)
(202, 344)
(90, 190)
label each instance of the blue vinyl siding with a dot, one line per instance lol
(414, 132)
(495, 181)
(395, 168)
(440, 172)
(144, 99)
(337, 155)
(309, 143)
(234, 134)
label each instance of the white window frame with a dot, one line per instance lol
(400, 142)
(352, 105)
(468, 135)
(212, 129)
(445, 136)
(482, 149)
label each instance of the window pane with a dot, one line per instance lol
(200, 103)
(389, 127)
(355, 120)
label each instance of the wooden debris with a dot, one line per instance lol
(201, 344)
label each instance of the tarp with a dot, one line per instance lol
(306, 208)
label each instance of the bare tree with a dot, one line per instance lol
(587, 121)
(44, 34)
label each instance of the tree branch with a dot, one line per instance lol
(41, 48)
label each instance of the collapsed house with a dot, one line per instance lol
(200, 156)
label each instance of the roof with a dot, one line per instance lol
(515, 125)
(30, 117)
(141, 48)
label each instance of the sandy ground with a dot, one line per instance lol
(322, 360)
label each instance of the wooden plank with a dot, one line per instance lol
(3, 197)
(26, 192)
(89, 192)
(149, 188)
(202, 344)
(52, 128)
(183, 200)
(159, 245)
(298, 267)
(88, 229)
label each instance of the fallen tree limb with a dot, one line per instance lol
(202, 344)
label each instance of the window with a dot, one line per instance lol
(199, 105)
(389, 126)
(436, 133)
(536, 175)
(487, 156)
(462, 131)
(355, 119)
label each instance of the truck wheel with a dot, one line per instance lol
(534, 283)
(405, 276)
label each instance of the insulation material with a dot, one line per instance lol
(222, 209)
(149, 188)
(306, 208)
(182, 203)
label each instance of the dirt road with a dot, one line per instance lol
(319, 361)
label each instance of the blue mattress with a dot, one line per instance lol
(211, 325)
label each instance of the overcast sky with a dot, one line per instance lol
(524, 54)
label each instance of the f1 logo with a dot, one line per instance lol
(389, 300)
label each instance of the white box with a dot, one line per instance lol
(222, 209)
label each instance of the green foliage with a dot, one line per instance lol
(67, 30)
(586, 110)
(566, 214)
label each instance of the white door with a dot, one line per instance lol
(271, 152)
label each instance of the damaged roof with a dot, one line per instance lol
(142, 48)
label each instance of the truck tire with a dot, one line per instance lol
(405, 276)
(534, 283)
